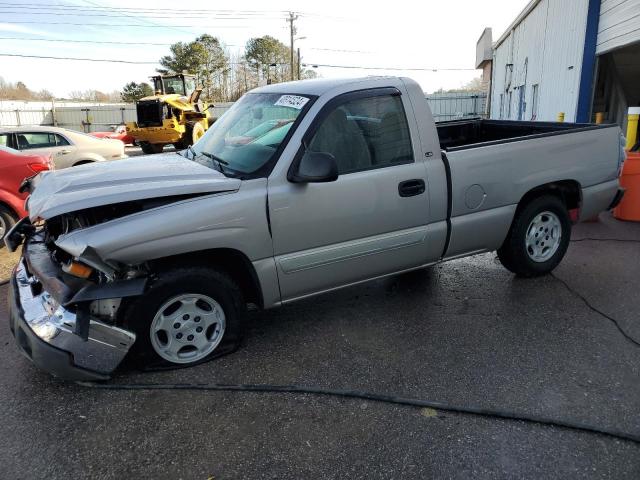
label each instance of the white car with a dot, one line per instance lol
(67, 148)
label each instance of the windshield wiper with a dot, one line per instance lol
(214, 157)
(221, 163)
(218, 161)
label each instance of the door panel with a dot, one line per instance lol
(46, 143)
(358, 227)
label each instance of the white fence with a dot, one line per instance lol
(84, 117)
(92, 117)
(456, 105)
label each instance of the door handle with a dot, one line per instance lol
(409, 188)
(64, 152)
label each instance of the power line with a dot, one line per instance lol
(96, 7)
(135, 17)
(90, 41)
(339, 50)
(235, 63)
(112, 42)
(107, 60)
(127, 25)
(415, 69)
(100, 42)
(76, 58)
(110, 15)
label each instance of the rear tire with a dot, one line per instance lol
(7, 220)
(151, 148)
(538, 238)
(210, 313)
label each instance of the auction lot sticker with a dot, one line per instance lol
(293, 101)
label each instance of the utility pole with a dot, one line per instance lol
(292, 30)
(298, 63)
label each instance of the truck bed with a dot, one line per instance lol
(475, 132)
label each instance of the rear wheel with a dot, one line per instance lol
(538, 238)
(7, 220)
(150, 148)
(189, 315)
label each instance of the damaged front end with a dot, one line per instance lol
(86, 243)
(64, 303)
(64, 309)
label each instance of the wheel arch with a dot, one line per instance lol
(569, 191)
(85, 161)
(230, 261)
(10, 208)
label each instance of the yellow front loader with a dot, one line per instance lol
(173, 115)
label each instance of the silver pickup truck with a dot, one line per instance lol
(300, 188)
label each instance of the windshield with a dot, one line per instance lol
(173, 85)
(247, 136)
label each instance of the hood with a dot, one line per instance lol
(105, 183)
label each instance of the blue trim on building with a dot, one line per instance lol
(588, 62)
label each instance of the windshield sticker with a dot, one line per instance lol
(293, 101)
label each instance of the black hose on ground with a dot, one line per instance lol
(392, 399)
(593, 239)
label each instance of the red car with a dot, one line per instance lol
(14, 168)
(119, 133)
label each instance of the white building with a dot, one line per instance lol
(577, 57)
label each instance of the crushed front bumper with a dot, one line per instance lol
(44, 332)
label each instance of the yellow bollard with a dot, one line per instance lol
(632, 126)
(561, 117)
(599, 117)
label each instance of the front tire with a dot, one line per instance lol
(538, 238)
(150, 148)
(193, 132)
(7, 221)
(188, 316)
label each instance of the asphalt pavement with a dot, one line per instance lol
(465, 332)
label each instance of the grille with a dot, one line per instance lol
(149, 113)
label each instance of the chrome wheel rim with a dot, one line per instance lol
(187, 328)
(543, 236)
(3, 227)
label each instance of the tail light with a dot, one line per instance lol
(39, 167)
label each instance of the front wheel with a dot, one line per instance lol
(538, 238)
(188, 316)
(150, 148)
(194, 131)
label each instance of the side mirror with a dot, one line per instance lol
(315, 167)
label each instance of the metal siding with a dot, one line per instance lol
(550, 39)
(619, 24)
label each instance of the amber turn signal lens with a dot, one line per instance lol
(77, 269)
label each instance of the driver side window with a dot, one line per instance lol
(365, 133)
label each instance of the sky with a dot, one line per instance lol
(386, 37)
